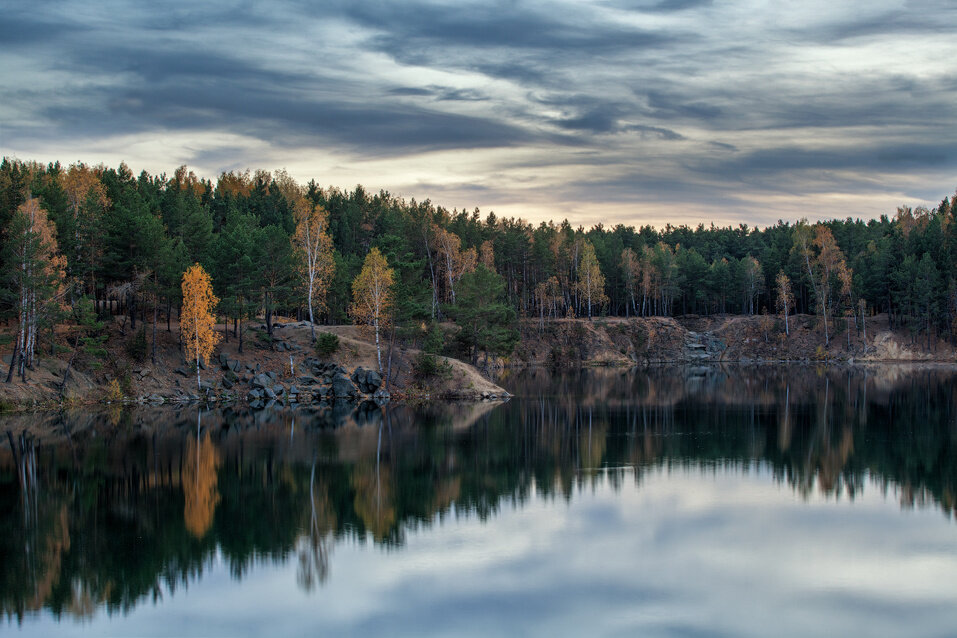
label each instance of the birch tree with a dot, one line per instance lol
(313, 246)
(197, 318)
(372, 300)
(591, 283)
(35, 273)
(785, 297)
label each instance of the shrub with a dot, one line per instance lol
(327, 344)
(137, 347)
(434, 339)
(113, 391)
(426, 366)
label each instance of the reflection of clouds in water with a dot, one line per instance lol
(685, 552)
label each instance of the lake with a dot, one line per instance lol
(776, 500)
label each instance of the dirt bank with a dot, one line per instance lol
(719, 338)
(286, 365)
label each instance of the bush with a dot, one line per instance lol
(327, 344)
(137, 347)
(434, 339)
(113, 391)
(426, 366)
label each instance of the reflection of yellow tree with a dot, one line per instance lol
(200, 484)
(373, 502)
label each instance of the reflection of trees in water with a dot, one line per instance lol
(199, 483)
(125, 517)
(313, 547)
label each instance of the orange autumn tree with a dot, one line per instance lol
(313, 246)
(197, 319)
(35, 275)
(372, 296)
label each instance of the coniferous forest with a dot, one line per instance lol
(78, 238)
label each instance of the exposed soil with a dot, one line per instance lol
(719, 338)
(171, 378)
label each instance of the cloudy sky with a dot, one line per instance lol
(632, 111)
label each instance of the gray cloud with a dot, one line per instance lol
(684, 101)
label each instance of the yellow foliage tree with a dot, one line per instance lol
(197, 319)
(591, 283)
(314, 248)
(785, 298)
(372, 296)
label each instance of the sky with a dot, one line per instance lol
(611, 111)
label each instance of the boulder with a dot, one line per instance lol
(342, 387)
(269, 393)
(373, 380)
(260, 381)
(227, 383)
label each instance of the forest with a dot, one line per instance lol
(82, 242)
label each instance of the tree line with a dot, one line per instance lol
(123, 241)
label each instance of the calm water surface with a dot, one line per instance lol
(745, 502)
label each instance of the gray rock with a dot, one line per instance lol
(273, 376)
(342, 387)
(269, 393)
(255, 393)
(260, 381)
(373, 380)
(293, 390)
(227, 383)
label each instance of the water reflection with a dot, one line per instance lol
(109, 510)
